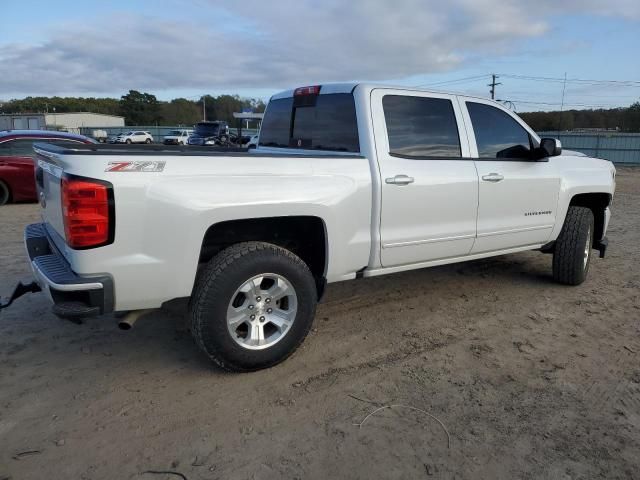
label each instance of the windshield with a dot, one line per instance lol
(207, 129)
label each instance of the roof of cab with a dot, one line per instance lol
(349, 87)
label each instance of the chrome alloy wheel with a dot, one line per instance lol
(587, 249)
(262, 311)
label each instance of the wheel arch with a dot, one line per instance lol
(597, 202)
(7, 184)
(306, 236)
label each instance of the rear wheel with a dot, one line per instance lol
(572, 253)
(5, 194)
(148, 140)
(253, 306)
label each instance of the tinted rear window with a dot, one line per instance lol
(207, 129)
(421, 127)
(329, 124)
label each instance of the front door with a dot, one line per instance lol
(429, 190)
(518, 196)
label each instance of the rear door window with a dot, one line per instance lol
(22, 147)
(5, 148)
(421, 128)
(327, 123)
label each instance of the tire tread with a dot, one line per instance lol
(567, 255)
(214, 270)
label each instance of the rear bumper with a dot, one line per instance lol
(73, 295)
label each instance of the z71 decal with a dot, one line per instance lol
(142, 166)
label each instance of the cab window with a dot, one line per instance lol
(498, 135)
(421, 128)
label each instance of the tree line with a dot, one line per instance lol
(141, 108)
(622, 119)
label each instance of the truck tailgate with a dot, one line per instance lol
(48, 174)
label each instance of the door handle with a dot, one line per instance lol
(493, 177)
(399, 180)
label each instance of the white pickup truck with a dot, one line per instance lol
(348, 181)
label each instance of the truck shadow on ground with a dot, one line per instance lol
(161, 339)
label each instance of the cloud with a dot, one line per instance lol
(264, 46)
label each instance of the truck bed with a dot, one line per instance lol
(165, 198)
(176, 150)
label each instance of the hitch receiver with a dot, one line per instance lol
(19, 291)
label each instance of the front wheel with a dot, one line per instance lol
(252, 306)
(572, 252)
(128, 142)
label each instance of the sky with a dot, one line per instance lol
(255, 48)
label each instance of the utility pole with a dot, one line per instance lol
(204, 109)
(564, 89)
(493, 85)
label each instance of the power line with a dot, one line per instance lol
(448, 82)
(584, 81)
(556, 104)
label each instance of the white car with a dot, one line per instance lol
(137, 136)
(400, 179)
(253, 141)
(177, 137)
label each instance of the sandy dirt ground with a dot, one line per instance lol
(530, 379)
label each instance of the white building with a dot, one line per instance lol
(71, 122)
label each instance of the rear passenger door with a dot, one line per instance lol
(517, 194)
(429, 188)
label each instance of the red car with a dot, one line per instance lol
(17, 182)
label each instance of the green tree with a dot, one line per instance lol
(180, 111)
(633, 118)
(139, 108)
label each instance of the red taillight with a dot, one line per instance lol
(313, 90)
(86, 212)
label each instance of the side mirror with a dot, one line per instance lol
(550, 147)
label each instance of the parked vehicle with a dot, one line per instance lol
(135, 137)
(17, 183)
(177, 137)
(210, 133)
(113, 138)
(100, 135)
(348, 181)
(253, 141)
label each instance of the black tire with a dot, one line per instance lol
(5, 194)
(148, 140)
(128, 142)
(217, 284)
(574, 244)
